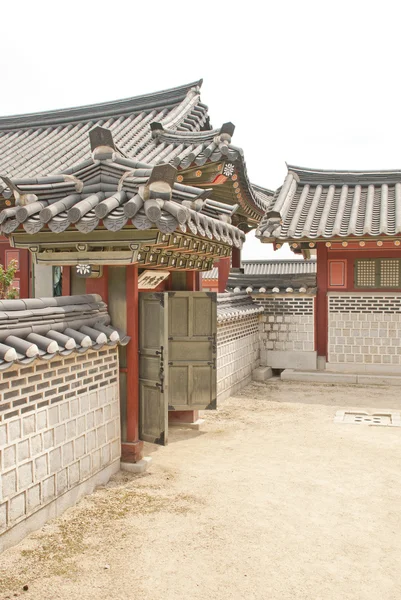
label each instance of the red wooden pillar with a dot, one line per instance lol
(321, 314)
(236, 258)
(224, 271)
(24, 274)
(66, 282)
(132, 447)
(99, 285)
(193, 281)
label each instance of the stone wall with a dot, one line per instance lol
(365, 328)
(287, 331)
(59, 436)
(237, 343)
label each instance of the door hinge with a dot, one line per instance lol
(212, 338)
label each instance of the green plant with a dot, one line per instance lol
(7, 290)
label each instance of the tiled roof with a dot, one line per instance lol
(40, 328)
(109, 190)
(265, 277)
(278, 267)
(50, 142)
(212, 274)
(315, 204)
(236, 306)
(269, 267)
(171, 126)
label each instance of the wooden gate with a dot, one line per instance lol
(177, 357)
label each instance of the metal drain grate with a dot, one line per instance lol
(389, 419)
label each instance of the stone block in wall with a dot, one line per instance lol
(17, 507)
(25, 475)
(9, 483)
(3, 516)
(290, 359)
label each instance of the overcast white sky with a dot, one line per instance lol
(315, 84)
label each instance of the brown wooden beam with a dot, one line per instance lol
(224, 272)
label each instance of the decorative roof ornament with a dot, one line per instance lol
(102, 144)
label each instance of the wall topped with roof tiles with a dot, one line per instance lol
(59, 436)
(237, 353)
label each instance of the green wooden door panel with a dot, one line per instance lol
(153, 403)
(192, 319)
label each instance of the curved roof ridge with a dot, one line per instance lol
(163, 98)
(316, 175)
(262, 189)
(188, 136)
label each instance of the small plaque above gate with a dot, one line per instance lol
(149, 280)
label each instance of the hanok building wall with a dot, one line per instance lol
(363, 304)
(353, 221)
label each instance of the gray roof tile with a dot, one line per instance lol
(53, 326)
(315, 204)
(61, 210)
(236, 306)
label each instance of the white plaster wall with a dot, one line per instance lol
(59, 426)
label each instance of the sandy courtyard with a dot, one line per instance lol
(271, 501)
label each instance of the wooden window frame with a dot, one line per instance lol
(377, 285)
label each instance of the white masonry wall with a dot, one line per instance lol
(59, 437)
(237, 354)
(287, 331)
(365, 329)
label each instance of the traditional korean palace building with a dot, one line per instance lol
(131, 200)
(353, 222)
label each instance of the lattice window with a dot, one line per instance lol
(378, 273)
(365, 273)
(390, 273)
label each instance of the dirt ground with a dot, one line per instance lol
(270, 501)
